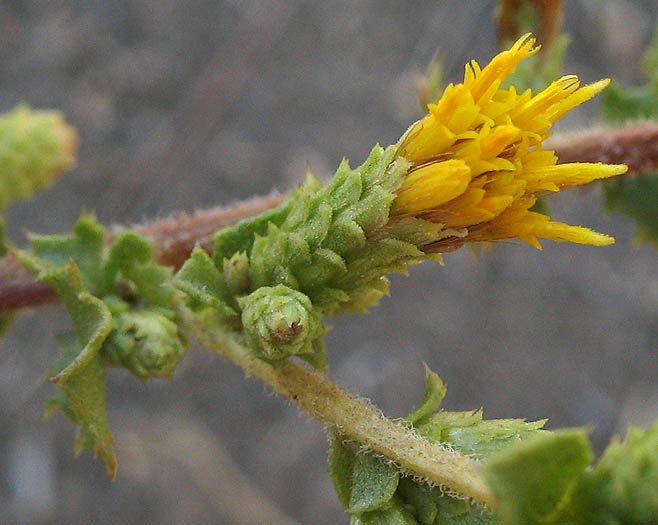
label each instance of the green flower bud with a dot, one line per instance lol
(280, 322)
(35, 147)
(146, 342)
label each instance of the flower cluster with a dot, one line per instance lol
(477, 163)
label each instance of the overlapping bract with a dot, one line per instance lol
(477, 157)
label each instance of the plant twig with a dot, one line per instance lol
(636, 146)
(354, 418)
(175, 237)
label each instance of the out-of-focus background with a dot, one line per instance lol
(183, 105)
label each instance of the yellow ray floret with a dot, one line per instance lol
(477, 161)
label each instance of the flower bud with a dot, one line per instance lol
(145, 342)
(37, 146)
(280, 322)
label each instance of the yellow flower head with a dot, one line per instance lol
(477, 162)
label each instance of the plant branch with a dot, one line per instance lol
(352, 417)
(636, 146)
(176, 236)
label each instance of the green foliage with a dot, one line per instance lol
(532, 480)
(205, 284)
(637, 196)
(367, 486)
(330, 243)
(122, 311)
(623, 487)
(80, 370)
(35, 147)
(547, 479)
(620, 104)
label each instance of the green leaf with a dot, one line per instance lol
(317, 358)
(435, 391)
(340, 464)
(131, 256)
(200, 279)
(623, 487)
(363, 482)
(619, 104)
(393, 513)
(142, 336)
(485, 437)
(374, 482)
(637, 197)
(80, 373)
(422, 498)
(240, 237)
(84, 246)
(532, 479)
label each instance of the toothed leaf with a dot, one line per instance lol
(435, 391)
(373, 483)
(204, 283)
(84, 246)
(80, 373)
(623, 487)
(240, 237)
(532, 479)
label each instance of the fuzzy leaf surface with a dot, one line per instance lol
(532, 480)
(80, 372)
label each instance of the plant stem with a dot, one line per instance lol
(175, 237)
(352, 417)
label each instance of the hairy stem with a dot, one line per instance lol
(352, 417)
(176, 236)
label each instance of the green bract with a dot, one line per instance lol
(332, 243)
(122, 310)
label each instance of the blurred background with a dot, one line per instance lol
(184, 105)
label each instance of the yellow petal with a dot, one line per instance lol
(432, 185)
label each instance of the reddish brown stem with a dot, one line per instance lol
(175, 237)
(635, 146)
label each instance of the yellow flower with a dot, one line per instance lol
(477, 162)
